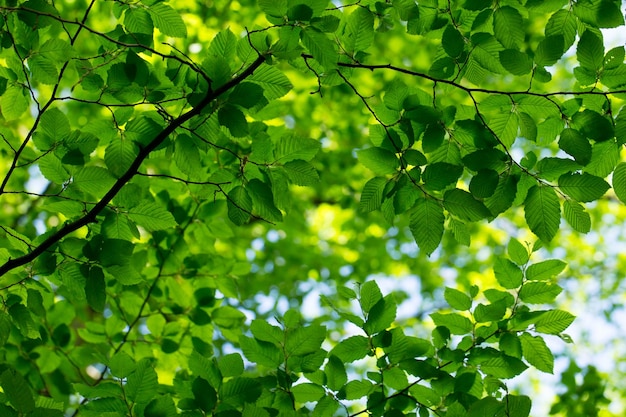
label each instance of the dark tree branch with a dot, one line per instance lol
(90, 217)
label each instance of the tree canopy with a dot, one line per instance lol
(311, 207)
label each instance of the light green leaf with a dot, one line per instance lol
(152, 216)
(518, 252)
(575, 214)
(275, 84)
(301, 173)
(119, 155)
(335, 372)
(13, 103)
(17, 391)
(304, 340)
(306, 392)
(260, 352)
(508, 26)
(381, 315)
(554, 322)
(352, 349)
(563, 23)
(426, 224)
(289, 148)
(359, 30)
(545, 270)
(507, 273)
(379, 160)
(369, 295)
(575, 144)
(539, 292)
(372, 194)
(549, 50)
(516, 62)
(94, 180)
(457, 299)
(619, 181)
(456, 323)
(543, 212)
(583, 187)
(141, 385)
(590, 51)
(263, 200)
(167, 20)
(439, 175)
(462, 204)
(537, 353)
(321, 47)
(505, 125)
(604, 158)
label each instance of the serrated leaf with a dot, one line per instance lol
(260, 352)
(517, 252)
(545, 270)
(503, 366)
(516, 62)
(301, 173)
(141, 385)
(537, 353)
(239, 205)
(583, 187)
(542, 211)
(427, 220)
(369, 295)
(508, 26)
(359, 30)
(290, 148)
(307, 391)
(539, 292)
(575, 144)
(304, 340)
(549, 50)
(372, 194)
(17, 391)
(590, 51)
(275, 84)
(13, 103)
(263, 200)
(507, 273)
(167, 20)
(94, 180)
(452, 41)
(575, 214)
(352, 349)
(619, 181)
(464, 205)
(95, 289)
(457, 299)
(593, 125)
(563, 23)
(119, 156)
(381, 315)
(378, 160)
(505, 125)
(455, 323)
(152, 216)
(439, 175)
(321, 47)
(554, 322)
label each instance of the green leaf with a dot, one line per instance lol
(260, 352)
(503, 366)
(141, 385)
(381, 315)
(228, 317)
(590, 51)
(17, 391)
(263, 200)
(457, 299)
(351, 349)
(372, 194)
(452, 41)
(335, 372)
(583, 187)
(275, 8)
(463, 205)
(539, 292)
(517, 405)
(575, 144)
(516, 62)
(619, 181)
(234, 120)
(359, 30)
(575, 214)
(543, 212)
(152, 216)
(13, 103)
(119, 156)
(545, 270)
(484, 183)
(537, 353)
(518, 252)
(167, 20)
(549, 50)
(301, 173)
(427, 224)
(370, 295)
(593, 125)
(307, 392)
(554, 322)
(304, 340)
(378, 160)
(505, 125)
(507, 273)
(230, 365)
(439, 175)
(95, 289)
(563, 23)
(237, 391)
(508, 26)
(321, 47)
(275, 84)
(239, 205)
(356, 389)
(455, 323)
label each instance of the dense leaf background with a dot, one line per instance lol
(289, 207)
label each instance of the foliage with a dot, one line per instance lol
(172, 195)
